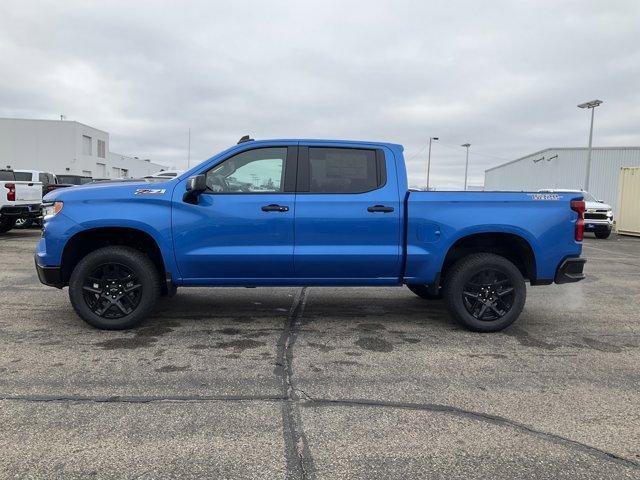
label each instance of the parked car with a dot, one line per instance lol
(320, 213)
(598, 216)
(49, 183)
(70, 180)
(165, 174)
(18, 199)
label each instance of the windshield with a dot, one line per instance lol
(73, 179)
(590, 198)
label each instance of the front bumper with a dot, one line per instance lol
(51, 276)
(22, 211)
(570, 270)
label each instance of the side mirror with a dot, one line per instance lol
(195, 186)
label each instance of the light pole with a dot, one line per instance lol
(429, 160)
(466, 165)
(592, 105)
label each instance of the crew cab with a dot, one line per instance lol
(305, 212)
(18, 199)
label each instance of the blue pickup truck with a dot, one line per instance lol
(305, 212)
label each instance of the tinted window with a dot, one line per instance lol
(7, 175)
(23, 176)
(259, 170)
(342, 170)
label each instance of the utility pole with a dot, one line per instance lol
(189, 151)
(592, 105)
(429, 160)
(466, 165)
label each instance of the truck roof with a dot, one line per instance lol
(323, 140)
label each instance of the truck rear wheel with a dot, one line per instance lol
(114, 288)
(485, 292)
(423, 291)
(6, 224)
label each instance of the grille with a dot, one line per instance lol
(595, 216)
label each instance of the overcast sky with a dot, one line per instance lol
(504, 76)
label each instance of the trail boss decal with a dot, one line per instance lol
(150, 191)
(544, 196)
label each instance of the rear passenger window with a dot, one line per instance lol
(343, 170)
(22, 176)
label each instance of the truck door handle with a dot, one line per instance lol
(380, 208)
(275, 208)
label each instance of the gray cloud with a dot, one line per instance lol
(504, 76)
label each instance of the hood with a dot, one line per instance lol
(597, 206)
(106, 189)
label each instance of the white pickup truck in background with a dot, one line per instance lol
(18, 199)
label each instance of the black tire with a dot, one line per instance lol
(423, 291)
(602, 234)
(503, 297)
(127, 289)
(23, 223)
(6, 224)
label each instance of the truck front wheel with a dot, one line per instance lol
(485, 292)
(114, 288)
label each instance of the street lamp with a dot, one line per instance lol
(592, 105)
(429, 160)
(466, 165)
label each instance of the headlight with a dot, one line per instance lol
(51, 209)
(609, 213)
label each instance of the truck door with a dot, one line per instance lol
(242, 226)
(347, 215)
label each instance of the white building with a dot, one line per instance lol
(565, 168)
(65, 147)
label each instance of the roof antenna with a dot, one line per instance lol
(246, 138)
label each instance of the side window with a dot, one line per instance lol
(253, 171)
(343, 170)
(23, 177)
(42, 177)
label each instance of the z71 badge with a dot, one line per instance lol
(150, 191)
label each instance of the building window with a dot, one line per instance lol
(125, 173)
(102, 170)
(101, 148)
(86, 145)
(87, 173)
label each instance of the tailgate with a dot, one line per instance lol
(28, 192)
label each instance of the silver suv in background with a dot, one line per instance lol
(598, 216)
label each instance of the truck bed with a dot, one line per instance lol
(436, 220)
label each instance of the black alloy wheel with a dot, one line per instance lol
(114, 287)
(488, 295)
(484, 292)
(112, 291)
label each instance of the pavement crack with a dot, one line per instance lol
(300, 463)
(140, 399)
(485, 417)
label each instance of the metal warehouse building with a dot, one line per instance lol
(565, 168)
(69, 147)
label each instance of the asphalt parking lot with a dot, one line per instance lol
(323, 383)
